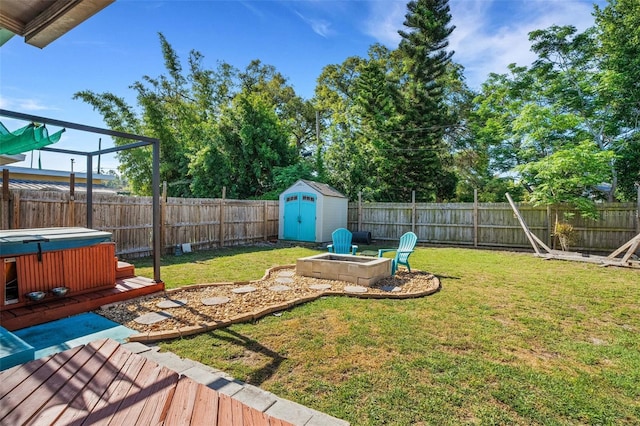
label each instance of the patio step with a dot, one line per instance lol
(72, 304)
(124, 270)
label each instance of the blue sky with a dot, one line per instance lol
(119, 45)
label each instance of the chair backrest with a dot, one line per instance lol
(341, 241)
(407, 244)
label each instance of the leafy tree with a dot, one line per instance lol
(618, 31)
(628, 166)
(567, 175)
(346, 154)
(135, 164)
(284, 177)
(255, 142)
(218, 128)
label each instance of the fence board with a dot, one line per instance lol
(199, 221)
(496, 226)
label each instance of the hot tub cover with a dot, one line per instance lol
(17, 242)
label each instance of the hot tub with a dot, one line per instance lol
(81, 260)
(359, 270)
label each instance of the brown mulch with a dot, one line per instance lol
(195, 313)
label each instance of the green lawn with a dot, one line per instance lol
(510, 339)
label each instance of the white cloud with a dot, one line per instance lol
(252, 9)
(24, 104)
(384, 20)
(319, 26)
(32, 105)
(484, 43)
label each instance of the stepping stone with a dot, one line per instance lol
(390, 288)
(286, 273)
(320, 287)
(242, 290)
(280, 288)
(212, 301)
(171, 303)
(152, 318)
(285, 280)
(355, 289)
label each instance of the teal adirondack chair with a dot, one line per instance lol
(405, 248)
(342, 242)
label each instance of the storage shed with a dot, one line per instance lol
(311, 211)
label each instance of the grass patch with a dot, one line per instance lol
(224, 265)
(510, 339)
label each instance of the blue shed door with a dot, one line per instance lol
(300, 217)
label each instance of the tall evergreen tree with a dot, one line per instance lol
(419, 148)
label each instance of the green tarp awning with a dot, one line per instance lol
(28, 138)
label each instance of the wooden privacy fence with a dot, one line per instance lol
(202, 222)
(492, 224)
(210, 223)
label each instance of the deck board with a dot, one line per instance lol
(205, 410)
(19, 373)
(70, 384)
(51, 310)
(225, 413)
(34, 392)
(87, 401)
(133, 403)
(183, 403)
(102, 383)
(21, 391)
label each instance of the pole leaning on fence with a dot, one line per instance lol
(533, 239)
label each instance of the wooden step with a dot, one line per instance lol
(124, 270)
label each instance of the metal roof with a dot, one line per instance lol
(42, 21)
(56, 186)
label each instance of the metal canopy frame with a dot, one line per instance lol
(140, 142)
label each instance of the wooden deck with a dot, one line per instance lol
(103, 383)
(56, 308)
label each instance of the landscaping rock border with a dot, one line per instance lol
(254, 305)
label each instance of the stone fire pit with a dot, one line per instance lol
(359, 270)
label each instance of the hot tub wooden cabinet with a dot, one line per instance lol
(41, 259)
(363, 271)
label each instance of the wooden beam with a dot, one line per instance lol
(533, 239)
(631, 246)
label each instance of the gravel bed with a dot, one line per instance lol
(195, 313)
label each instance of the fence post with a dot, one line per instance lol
(265, 223)
(72, 200)
(475, 217)
(5, 214)
(413, 211)
(638, 209)
(549, 227)
(359, 210)
(15, 219)
(224, 194)
(163, 215)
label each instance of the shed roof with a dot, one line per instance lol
(324, 189)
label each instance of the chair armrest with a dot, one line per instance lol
(354, 249)
(380, 251)
(330, 248)
(405, 251)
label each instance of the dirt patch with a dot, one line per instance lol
(268, 297)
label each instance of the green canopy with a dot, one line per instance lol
(29, 137)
